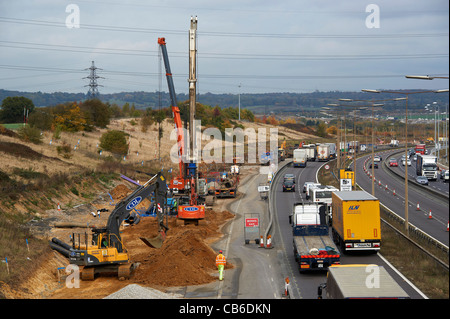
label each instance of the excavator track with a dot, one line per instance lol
(87, 273)
(124, 271)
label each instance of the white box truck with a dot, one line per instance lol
(323, 152)
(300, 157)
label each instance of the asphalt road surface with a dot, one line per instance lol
(436, 227)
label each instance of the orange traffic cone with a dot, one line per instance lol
(447, 225)
(59, 207)
(261, 242)
(418, 208)
(394, 192)
(269, 241)
(286, 286)
(429, 215)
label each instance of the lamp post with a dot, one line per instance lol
(360, 107)
(373, 142)
(239, 101)
(406, 140)
(338, 135)
(425, 77)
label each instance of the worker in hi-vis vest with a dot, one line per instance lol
(220, 263)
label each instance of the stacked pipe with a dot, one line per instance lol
(60, 247)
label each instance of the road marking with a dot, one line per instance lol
(403, 277)
(220, 288)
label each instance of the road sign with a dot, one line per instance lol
(346, 184)
(252, 222)
(327, 166)
(251, 227)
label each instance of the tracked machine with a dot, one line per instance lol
(105, 252)
(186, 184)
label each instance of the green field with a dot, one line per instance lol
(12, 126)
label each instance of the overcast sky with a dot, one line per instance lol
(260, 45)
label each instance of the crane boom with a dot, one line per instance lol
(174, 106)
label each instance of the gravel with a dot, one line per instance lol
(135, 291)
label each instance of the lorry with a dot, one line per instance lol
(322, 194)
(394, 143)
(356, 221)
(426, 165)
(353, 146)
(313, 247)
(307, 188)
(420, 149)
(225, 184)
(310, 152)
(332, 150)
(323, 152)
(360, 282)
(300, 157)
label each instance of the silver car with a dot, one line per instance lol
(423, 180)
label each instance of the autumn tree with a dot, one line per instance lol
(70, 118)
(96, 112)
(332, 130)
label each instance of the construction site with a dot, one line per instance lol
(147, 229)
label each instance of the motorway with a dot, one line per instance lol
(305, 285)
(436, 227)
(259, 273)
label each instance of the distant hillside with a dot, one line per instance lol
(258, 103)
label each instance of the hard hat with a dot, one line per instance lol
(220, 251)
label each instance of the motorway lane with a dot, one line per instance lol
(437, 185)
(435, 227)
(305, 285)
(257, 273)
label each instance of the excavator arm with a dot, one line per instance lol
(123, 210)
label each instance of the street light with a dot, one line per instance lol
(360, 107)
(406, 140)
(338, 116)
(425, 77)
(373, 142)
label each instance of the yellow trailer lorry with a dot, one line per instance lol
(356, 221)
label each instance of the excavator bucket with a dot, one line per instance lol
(155, 242)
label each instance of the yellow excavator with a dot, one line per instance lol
(106, 253)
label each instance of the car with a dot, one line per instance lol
(289, 176)
(423, 180)
(393, 163)
(408, 162)
(415, 157)
(288, 186)
(377, 158)
(375, 165)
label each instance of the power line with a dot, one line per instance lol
(209, 76)
(226, 34)
(212, 55)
